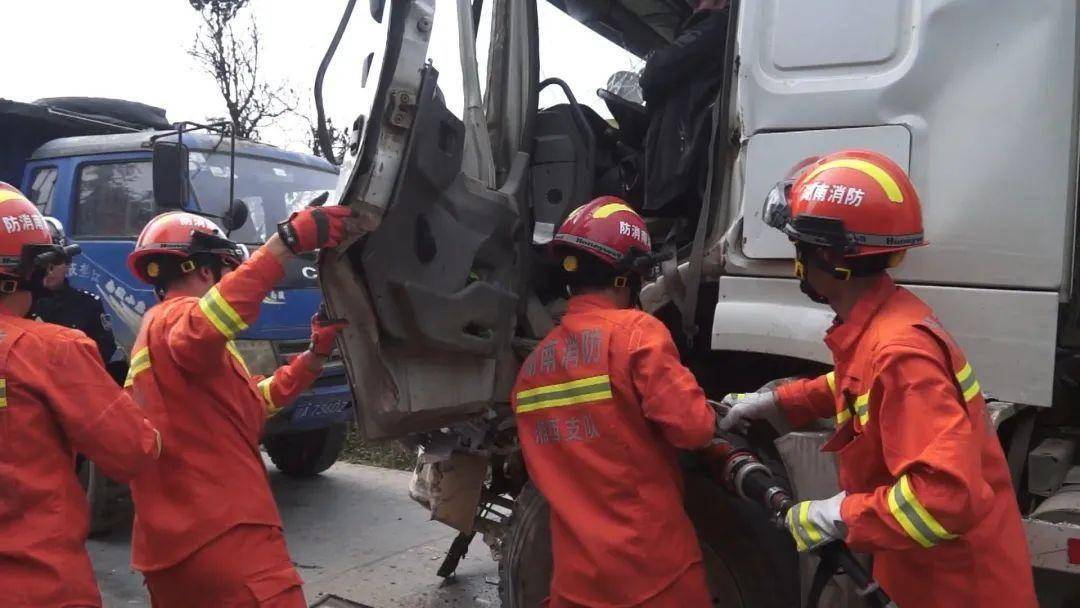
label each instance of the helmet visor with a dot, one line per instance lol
(231, 254)
(776, 212)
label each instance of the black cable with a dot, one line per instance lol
(325, 143)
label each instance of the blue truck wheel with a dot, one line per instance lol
(307, 453)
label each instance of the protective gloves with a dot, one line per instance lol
(314, 228)
(813, 523)
(744, 407)
(324, 332)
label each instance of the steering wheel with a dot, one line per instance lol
(612, 100)
(632, 117)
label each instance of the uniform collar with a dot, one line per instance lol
(843, 334)
(589, 302)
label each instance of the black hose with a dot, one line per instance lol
(325, 143)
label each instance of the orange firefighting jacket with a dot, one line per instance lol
(186, 371)
(601, 405)
(55, 399)
(929, 491)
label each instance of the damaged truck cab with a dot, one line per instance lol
(976, 99)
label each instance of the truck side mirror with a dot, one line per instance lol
(170, 174)
(236, 216)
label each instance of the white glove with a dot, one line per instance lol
(745, 407)
(815, 522)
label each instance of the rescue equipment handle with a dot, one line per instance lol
(742, 472)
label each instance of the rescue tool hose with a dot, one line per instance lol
(742, 472)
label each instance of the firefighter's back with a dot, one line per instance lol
(210, 477)
(42, 528)
(619, 529)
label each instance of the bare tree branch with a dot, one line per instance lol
(231, 57)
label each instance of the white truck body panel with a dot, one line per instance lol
(769, 155)
(1008, 336)
(986, 89)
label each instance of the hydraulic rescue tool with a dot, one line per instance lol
(740, 471)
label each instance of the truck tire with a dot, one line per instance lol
(525, 563)
(750, 563)
(109, 501)
(307, 453)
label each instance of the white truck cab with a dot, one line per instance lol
(977, 99)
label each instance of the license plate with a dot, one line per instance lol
(320, 410)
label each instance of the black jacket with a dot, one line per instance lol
(679, 84)
(79, 310)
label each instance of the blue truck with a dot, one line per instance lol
(91, 163)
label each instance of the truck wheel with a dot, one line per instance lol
(750, 564)
(525, 564)
(109, 501)
(307, 453)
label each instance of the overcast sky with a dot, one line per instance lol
(137, 49)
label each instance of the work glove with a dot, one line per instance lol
(813, 523)
(324, 332)
(314, 227)
(744, 407)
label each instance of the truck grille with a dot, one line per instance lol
(286, 349)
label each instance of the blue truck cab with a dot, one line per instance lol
(100, 186)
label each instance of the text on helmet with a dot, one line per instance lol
(636, 233)
(833, 193)
(22, 222)
(197, 222)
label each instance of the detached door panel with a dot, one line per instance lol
(432, 293)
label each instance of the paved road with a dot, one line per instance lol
(352, 532)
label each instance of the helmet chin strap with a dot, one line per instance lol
(837, 272)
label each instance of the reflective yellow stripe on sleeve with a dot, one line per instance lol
(140, 362)
(231, 347)
(575, 392)
(969, 385)
(913, 516)
(831, 379)
(221, 314)
(3, 393)
(862, 408)
(268, 400)
(843, 416)
(800, 544)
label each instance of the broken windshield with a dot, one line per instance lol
(272, 189)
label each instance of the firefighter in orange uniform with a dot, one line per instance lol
(602, 403)
(926, 488)
(55, 399)
(207, 531)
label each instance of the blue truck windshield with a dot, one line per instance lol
(272, 189)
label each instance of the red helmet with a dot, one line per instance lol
(24, 238)
(857, 201)
(181, 235)
(607, 228)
